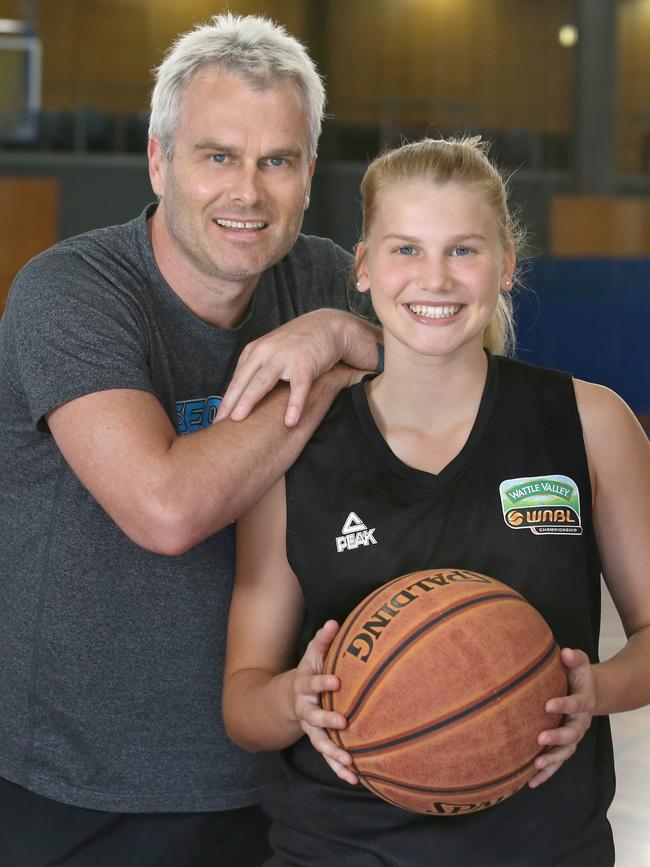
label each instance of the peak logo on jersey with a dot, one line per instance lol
(193, 415)
(354, 534)
(541, 504)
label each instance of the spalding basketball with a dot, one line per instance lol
(444, 676)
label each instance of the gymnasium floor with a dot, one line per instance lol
(630, 812)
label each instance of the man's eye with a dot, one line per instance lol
(219, 158)
(406, 250)
(276, 161)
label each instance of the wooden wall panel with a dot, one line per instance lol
(101, 53)
(457, 62)
(600, 226)
(28, 223)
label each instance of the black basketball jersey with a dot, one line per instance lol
(514, 504)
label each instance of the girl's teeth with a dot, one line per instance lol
(438, 312)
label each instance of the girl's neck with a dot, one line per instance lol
(425, 407)
(419, 389)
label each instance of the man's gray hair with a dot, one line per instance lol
(253, 47)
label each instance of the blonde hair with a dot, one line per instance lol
(463, 160)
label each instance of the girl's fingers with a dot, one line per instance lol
(324, 637)
(324, 745)
(542, 776)
(323, 719)
(331, 751)
(566, 735)
(556, 756)
(342, 772)
(316, 683)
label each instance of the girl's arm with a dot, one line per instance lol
(269, 702)
(619, 463)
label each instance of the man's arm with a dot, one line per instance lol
(169, 492)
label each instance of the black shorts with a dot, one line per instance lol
(38, 832)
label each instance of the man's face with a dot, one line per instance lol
(234, 192)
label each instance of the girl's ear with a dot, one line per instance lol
(361, 268)
(509, 262)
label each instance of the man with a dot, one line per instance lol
(118, 490)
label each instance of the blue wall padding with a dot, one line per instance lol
(592, 318)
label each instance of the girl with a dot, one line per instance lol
(422, 457)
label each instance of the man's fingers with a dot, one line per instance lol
(238, 384)
(301, 383)
(255, 380)
(258, 386)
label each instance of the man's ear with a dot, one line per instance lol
(361, 268)
(157, 166)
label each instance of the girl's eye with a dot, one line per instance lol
(460, 250)
(406, 250)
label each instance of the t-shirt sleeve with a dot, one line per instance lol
(75, 330)
(328, 280)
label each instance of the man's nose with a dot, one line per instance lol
(246, 185)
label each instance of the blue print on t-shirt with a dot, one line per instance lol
(193, 415)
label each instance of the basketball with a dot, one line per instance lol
(444, 676)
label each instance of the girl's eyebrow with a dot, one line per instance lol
(399, 237)
(454, 240)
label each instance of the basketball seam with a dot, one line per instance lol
(327, 699)
(333, 655)
(416, 633)
(427, 790)
(382, 746)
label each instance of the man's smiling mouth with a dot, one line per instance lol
(249, 225)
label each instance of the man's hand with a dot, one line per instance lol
(297, 353)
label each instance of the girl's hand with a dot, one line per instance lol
(577, 707)
(309, 682)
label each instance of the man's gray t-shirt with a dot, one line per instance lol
(112, 656)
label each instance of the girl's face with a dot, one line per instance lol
(434, 262)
